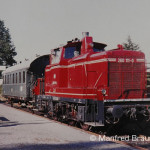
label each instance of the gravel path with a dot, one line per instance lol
(22, 130)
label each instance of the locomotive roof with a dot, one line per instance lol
(78, 44)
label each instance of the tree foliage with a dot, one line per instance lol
(7, 48)
(130, 45)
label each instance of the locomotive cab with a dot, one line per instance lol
(68, 69)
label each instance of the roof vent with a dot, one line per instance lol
(120, 47)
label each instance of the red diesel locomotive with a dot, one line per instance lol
(87, 84)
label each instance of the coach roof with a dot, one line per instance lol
(24, 65)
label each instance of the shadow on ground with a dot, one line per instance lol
(13, 123)
(72, 146)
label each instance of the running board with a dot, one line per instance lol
(94, 124)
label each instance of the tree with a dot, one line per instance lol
(7, 48)
(129, 45)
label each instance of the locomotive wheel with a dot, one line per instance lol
(71, 123)
(85, 126)
(55, 118)
(147, 116)
(111, 120)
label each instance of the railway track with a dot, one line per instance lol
(136, 140)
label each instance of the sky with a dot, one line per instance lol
(37, 26)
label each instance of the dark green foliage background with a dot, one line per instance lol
(7, 48)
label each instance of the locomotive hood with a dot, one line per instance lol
(122, 53)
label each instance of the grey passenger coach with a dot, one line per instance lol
(18, 80)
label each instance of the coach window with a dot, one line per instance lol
(5, 79)
(55, 56)
(10, 79)
(16, 77)
(23, 76)
(19, 77)
(13, 78)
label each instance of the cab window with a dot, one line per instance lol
(98, 50)
(69, 52)
(98, 47)
(55, 56)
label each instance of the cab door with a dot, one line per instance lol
(55, 68)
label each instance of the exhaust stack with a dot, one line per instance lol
(87, 43)
(85, 34)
